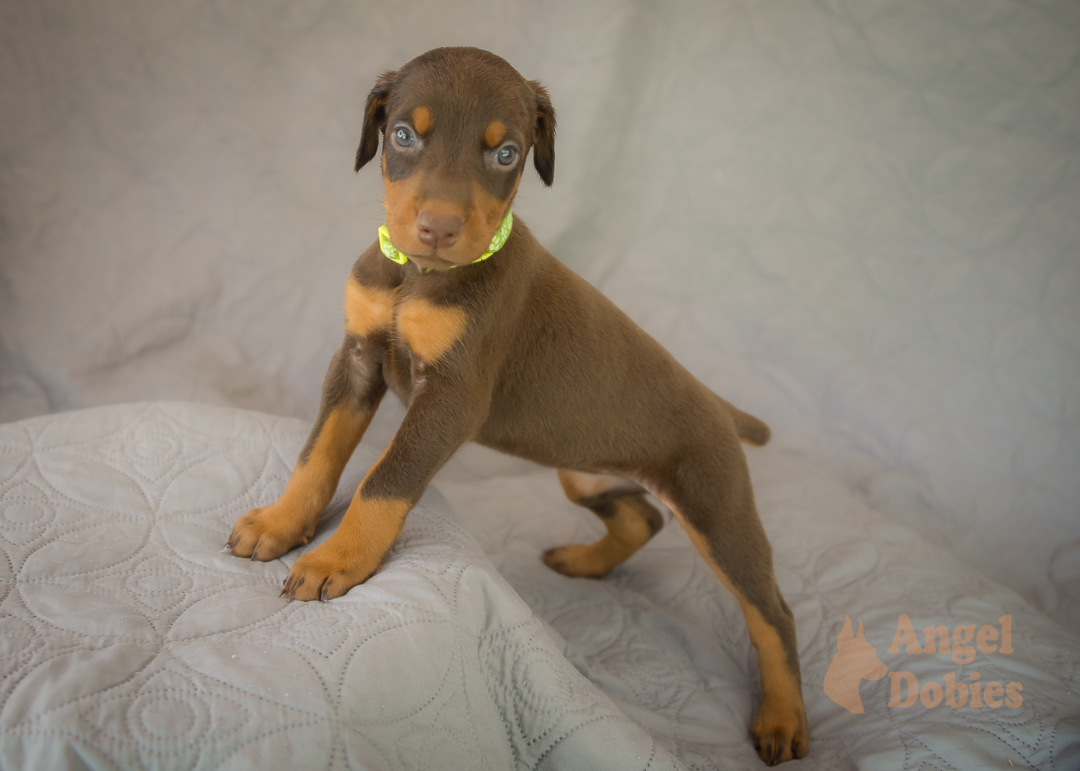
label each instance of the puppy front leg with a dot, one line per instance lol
(433, 428)
(352, 390)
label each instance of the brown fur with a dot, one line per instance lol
(520, 354)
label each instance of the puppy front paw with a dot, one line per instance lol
(268, 532)
(328, 571)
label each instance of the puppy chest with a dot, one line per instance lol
(428, 330)
(416, 331)
(420, 335)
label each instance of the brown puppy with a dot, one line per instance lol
(520, 354)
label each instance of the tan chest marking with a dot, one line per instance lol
(430, 330)
(367, 309)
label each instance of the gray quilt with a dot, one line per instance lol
(131, 640)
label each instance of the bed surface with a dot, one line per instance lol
(132, 640)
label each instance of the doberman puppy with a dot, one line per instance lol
(486, 337)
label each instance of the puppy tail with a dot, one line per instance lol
(750, 429)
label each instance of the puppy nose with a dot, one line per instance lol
(438, 230)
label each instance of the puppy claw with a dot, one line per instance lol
(551, 561)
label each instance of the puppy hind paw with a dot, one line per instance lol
(776, 742)
(575, 561)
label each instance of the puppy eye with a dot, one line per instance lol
(506, 156)
(403, 137)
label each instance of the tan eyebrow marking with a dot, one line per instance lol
(421, 119)
(495, 133)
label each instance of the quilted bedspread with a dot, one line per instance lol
(131, 640)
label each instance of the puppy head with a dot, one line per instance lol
(457, 124)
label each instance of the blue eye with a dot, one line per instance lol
(506, 156)
(403, 137)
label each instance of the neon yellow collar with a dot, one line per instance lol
(497, 242)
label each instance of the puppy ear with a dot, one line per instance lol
(374, 119)
(544, 138)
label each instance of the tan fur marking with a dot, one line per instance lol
(781, 712)
(400, 204)
(421, 119)
(490, 210)
(776, 679)
(267, 532)
(403, 199)
(579, 485)
(367, 309)
(353, 553)
(314, 480)
(495, 133)
(628, 530)
(485, 214)
(368, 530)
(430, 330)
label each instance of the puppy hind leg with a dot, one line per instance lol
(725, 528)
(621, 505)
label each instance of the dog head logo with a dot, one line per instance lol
(855, 660)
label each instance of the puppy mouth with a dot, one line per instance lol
(433, 261)
(427, 257)
(439, 258)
